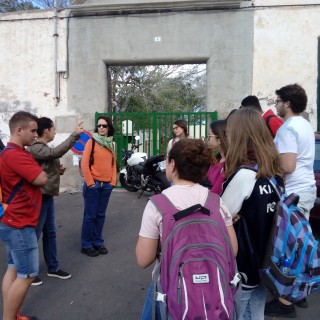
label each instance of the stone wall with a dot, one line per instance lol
(247, 51)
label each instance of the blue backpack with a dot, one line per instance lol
(291, 239)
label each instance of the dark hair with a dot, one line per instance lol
(21, 118)
(192, 159)
(251, 102)
(182, 124)
(110, 125)
(44, 123)
(218, 128)
(296, 95)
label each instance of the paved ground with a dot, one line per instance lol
(105, 287)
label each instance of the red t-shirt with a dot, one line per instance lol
(274, 122)
(24, 208)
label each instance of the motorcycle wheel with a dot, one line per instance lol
(125, 184)
(164, 183)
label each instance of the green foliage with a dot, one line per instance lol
(158, 88)
(19, 5)
(16, 5)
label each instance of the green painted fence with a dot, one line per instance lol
(154, 129)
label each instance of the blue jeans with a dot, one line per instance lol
(47, 225)
(96, 201)
(252, 304)
(147, 308)
(22, 250)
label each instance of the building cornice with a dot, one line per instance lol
(80, 7)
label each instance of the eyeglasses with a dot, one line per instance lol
(102, 125)
(277, 101)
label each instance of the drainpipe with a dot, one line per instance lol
(55, 35)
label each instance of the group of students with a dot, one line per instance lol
(246, 157)
(243, 141)
(32, 176)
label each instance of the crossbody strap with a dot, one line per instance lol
(91, 159)
(15, 190)
(18, 185)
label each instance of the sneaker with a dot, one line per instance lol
(37, 282)
(302, 303)
(101, 249)
(90, 252)
(59, 274)
(21, 317)
(275, 308)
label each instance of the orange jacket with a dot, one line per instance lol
(102, 169)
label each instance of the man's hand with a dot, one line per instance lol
(79, 127)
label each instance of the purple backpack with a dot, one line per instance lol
(197, 275)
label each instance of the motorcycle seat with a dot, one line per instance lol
(139, 168)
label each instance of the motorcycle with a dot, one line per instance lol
(141, 173)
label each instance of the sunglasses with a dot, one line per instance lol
(102, 125)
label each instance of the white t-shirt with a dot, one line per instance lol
(238, 190)
(182, 197)
(297, 136)
(170, 144)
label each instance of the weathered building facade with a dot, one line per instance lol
(54, 63)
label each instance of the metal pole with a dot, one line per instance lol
(55, 35)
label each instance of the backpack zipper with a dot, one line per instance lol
(197, 245)
(179, 283)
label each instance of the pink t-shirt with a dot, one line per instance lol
(182, 196)
(216, 177)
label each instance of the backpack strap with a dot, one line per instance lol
(2, 146)
(212, 202)
(292, 199)
(164, 205)
(6, 148)
(15, 190)
(91, 160)
(18, 185)
(276, 187)
(268, 118)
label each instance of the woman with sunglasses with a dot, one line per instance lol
(217, 140)
(99, 170)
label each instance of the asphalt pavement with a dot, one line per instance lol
(109, 286)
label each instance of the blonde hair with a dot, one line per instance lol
(250, 142)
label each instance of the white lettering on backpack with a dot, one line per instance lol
(271, 207)
(200, 278)
(265, 189)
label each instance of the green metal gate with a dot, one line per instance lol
(154, 129)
